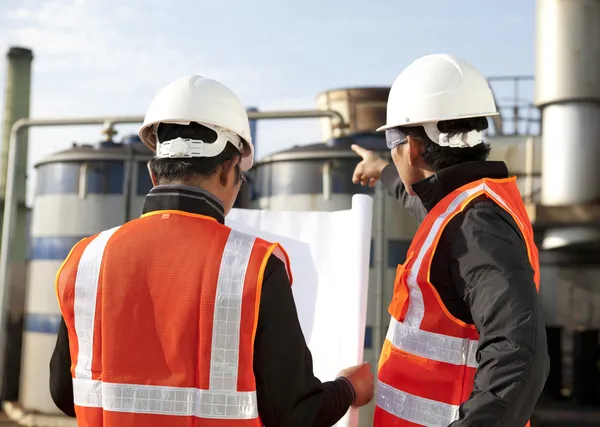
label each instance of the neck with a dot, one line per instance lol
(208, 185)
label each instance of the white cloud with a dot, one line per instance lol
(98, 57)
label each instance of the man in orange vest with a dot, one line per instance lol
(466, 344)
(174, 319)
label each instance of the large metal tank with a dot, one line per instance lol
(319, 177)
(79, 192)
(363, 109)
(567, 91)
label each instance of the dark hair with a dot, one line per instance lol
(442, 157)
(169, 170)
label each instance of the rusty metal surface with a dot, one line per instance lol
(580, 214)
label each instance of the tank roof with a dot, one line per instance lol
(100, 152)
(337, 148)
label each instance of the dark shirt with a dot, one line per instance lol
(288, 392)
(483, 275)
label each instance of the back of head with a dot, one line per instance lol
(198, 128)
(444, 101)
(218, 116)
(438, 156)
(173, 169)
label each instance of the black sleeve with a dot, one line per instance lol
(288, 392)
(492, 270)
(61, 383)
(393, 184)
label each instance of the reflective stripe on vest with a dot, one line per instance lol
(414, 408)
(409, 394)
(221, 400)
(443, 348)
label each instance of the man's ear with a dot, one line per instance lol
(415, 149)
(224, 171)
(152, 176)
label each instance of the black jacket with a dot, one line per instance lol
(288, 392)
(483, 275)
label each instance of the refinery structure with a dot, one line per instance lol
(552, 146)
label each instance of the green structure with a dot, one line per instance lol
(16, 106)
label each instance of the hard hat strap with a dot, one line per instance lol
(459, 140)
(189, 147)
(399, 135)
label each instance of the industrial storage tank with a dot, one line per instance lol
(319, 177)
(363, 110)
(80, 192)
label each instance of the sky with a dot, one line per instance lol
(109, 57)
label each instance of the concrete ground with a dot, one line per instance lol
(13, 411)
(547, 414)
(5, 422)
(564, 414)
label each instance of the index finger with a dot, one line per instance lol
(362, 152)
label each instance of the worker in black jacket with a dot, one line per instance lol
(475, 354)
(202, 149)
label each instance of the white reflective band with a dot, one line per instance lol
(443, 348)
(84, 304)
(415, 409)
(222, 400)
(177, 401)
(228, 312)
(416, 308)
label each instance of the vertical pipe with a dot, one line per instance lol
(83, 180)
(16, 106)
(128, 191)
(380, 268)
(253, 126)
(529, 163)
(327, 180)
(567, 89)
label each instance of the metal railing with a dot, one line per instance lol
(514, 99)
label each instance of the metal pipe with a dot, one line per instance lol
(83, 173)
(529, 159)
(380, 268)
(253, 128)
(16, 104)
(297, 114)
(568, 92)
(10, 204)
(127, 190)
(327, 180)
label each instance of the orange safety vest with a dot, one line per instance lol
(428, 361)
(161, 314)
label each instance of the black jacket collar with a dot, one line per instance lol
(184, 198)
(433, 189)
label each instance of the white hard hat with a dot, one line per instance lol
(435, 88)
(204, 101)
